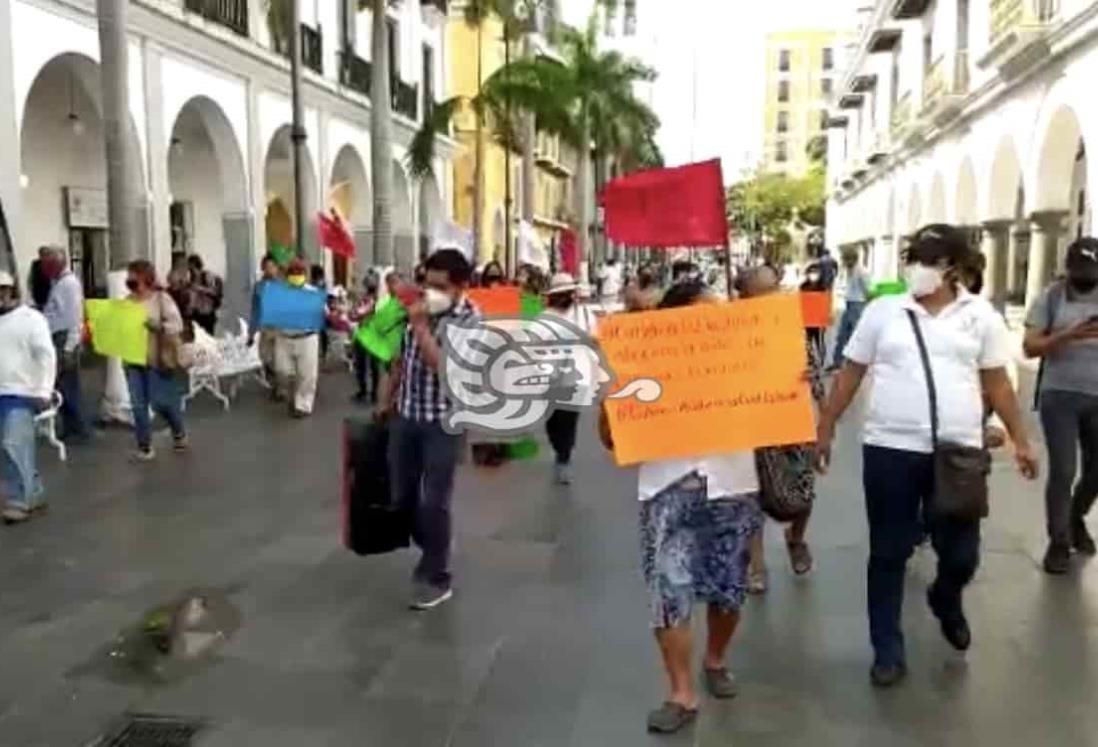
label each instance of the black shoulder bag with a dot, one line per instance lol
(960, 472)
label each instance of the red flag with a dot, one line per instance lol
(334, 235)
(683, 206)
(568, 260)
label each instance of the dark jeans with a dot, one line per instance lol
(561, 429)
(422, 461)
(1070, 423)
(852, 312)
(366, 372)
(897, 483)
(73, 425)
(152, 387)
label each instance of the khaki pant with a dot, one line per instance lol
(296, 364)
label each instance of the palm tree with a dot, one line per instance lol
(381, 132)
(121, 188)
(589, 100)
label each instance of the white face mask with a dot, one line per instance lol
(923, 280)
(437, 301)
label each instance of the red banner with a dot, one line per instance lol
(569, 262)
(334, 235)
(676, 207)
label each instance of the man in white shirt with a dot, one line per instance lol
(64, 312)
(968, 351)
(28, 366)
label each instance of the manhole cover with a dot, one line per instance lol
(145, 730)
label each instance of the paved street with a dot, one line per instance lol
(545, 642)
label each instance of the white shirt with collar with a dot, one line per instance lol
(726, 475)
(965, 337)
(65, 309)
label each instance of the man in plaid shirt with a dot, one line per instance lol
(422, 456)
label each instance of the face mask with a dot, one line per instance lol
(923, 280)
(437, 301)
(131, 284)
(296, 281)
(812, 278)
(1083, 285)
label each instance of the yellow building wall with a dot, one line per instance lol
(464, 41)
(807, 98)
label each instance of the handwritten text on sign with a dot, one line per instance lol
(732, 377)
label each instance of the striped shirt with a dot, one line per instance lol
(421, 396)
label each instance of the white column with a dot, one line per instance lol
(10, 157)
(256, 155)
(159, 184)
(1048, 226)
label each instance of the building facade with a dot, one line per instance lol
(974, 112)
(210, 129)
(801, 72)
(477, 53)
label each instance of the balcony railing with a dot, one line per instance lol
(1009, 16)
(312, 48)
(232, 14)
(405, 98)
(356, 73)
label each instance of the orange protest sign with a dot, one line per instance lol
(732, 378)
(816, 307)
(501, 300)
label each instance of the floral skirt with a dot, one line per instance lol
(695, 550)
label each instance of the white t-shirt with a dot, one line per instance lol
(964, 338)
(727, 475)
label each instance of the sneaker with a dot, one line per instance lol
(1081, 539)
(887, 675)
(562, 474)
(1057, 559)
(670, 717)
(181, 444)
(720, 683)
(427, 597)
(143, 455)
(953, 623)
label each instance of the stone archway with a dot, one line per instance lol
(404, 240)
(208, 214)
(430, 213)
(936, 201)
(914, 210)
(278, 183)
(350, 188)
(64, 171)
(965, 202)
(1061, 206)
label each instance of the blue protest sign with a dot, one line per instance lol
(281, 306)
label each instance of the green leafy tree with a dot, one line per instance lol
(766, 206)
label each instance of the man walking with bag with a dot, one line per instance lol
(423, 456)
(934, 354)
(1062, 330)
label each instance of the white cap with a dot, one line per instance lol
(6, 280)
(561, 282)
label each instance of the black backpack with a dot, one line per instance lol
(372, 525)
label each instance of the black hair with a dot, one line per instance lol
(268, 257)
(939, 241)
(683, 267)
(316, 272)
(195, 261)
(683, 294)
(453, 263)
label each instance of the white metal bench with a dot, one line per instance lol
(229, 359)
(45, 424)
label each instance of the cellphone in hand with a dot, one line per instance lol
(408, 294)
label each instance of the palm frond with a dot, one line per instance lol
(421, 151)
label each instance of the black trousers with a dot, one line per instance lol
(366, 372)
(561, 429)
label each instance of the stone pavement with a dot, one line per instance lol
(545, 642)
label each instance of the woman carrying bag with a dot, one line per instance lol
(935, 353)
(154, 384)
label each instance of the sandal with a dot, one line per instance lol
(669, 718)
(800, 557)
(757, 580)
